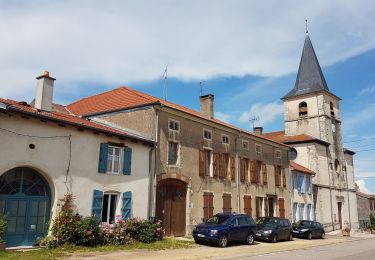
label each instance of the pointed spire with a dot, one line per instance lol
(310, 77)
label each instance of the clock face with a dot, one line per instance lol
(333, 128)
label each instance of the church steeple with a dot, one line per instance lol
(310, 78)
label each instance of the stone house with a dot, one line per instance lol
(313, 127)
(202, 165)
(366, 206)
(47, 152)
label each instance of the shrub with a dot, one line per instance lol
(89, 233)
(372, 220)
(116, 234)
(142, 230)
(48, 242)
(3, 227)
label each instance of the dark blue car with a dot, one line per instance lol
(225, 227)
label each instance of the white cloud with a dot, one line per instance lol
(223, 116)
(365, 91)
(362, 186)
(363, 117)
(266, 113)
(122, 42)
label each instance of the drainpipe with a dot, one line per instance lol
(347, 192)
(238, 173)
(156, 148)
(330, 187)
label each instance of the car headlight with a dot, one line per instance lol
(304, 230)
(267, 232)
(214, 232)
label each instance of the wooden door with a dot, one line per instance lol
(281, 208)
(339, 206)
(171, 206)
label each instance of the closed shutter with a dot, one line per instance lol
(103, 156)
(258, 172)
(208, 207)
(281, 208)
(97, 205)
(221, 170)
(266, 213)
(127, 167)
(247, 205)
(242, 169)
(232, 168)
(277, 175)
(264, 173)
(284, 177)
(201, 162)
(252, 171)
(216, 164)
(126, 209)
(227, 207)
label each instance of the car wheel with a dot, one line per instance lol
(223, 241)
(323, 235)
(309, 236)
(250, 239)
(290, 237)
(274, 238)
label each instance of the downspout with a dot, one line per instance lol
(330, 187)
(155, 160)
(347, 192)
(238, 173)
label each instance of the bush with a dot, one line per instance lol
(89, 233)
(48, 242)
(372, 220)
(3, 227)
(116, 234)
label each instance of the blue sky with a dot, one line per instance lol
(245, 53)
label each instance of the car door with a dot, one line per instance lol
(244, 227)
(279, 229)
(315, 230)
(234, 229)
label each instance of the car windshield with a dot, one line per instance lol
(303, 224)
(267, 222)
(220, 219)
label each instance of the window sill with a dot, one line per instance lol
(113, 173)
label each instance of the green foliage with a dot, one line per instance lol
(89, 233)
(3, 227)
(141, 230)
(48, 242)
(372, 220)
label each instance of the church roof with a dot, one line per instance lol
(281, 137)
(310, 78)
(297, 167)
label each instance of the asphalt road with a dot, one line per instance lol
(358, 250)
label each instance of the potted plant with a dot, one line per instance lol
(3, 228)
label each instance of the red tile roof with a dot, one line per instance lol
(297, 167)
(125, 98)
(280, 136)
(64, 117)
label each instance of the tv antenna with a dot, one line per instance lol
(254, 119)
(165, 76)
(200, 85)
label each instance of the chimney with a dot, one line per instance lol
(258, 130)
(44, 92)
(207, 105)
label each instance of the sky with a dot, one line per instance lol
(246, 53)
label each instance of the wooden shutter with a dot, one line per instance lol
(97, 205)
(252, 172)
(103, 156)
(232, 168)
(227, 207)
(266, 213)
(257, 207)
(208, 205)
(216, 164)
(284, 177)
(201, 162)
(258, 172)
(277, 175)
(211, 206)
(242, 170)
(221, 170)
(127, 167)
(281, 208)
(264, 173)
(126, 209)
(247, 205)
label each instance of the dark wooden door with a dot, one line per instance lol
(171, 206)
(339, 206)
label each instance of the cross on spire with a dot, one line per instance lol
(307, 29)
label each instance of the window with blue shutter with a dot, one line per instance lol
(103, 156)
(303, 183)
(126, 205)
(301, 208)
(308, 184)
(308, 211)
(127, 161)
(295, 212)
(299, 182)
(97, 205)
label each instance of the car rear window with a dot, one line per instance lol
(219, 219)
(244, 220)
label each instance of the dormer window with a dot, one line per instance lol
(302, 109)
(331, 109)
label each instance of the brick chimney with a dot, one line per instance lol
(44, 92)
(207, 105)
(258, 130)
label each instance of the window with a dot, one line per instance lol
(247, 205)
(277, 172)
(331, 109)
(227, 208)
(225, 139)
(172, 153)
(258, 172)
(244, 169)
(259, 206)
(264, 173)
(308, 184)
(113, 159)
(278, 154)
(302, 109)
(295, 205)
(245, 145)
(207, 134)
(173, 125)
(308, 211)
(225, 165)
(208, 205)
(300, 183)
(207, 162)
(109, 208)
(301, 208)
(258, 148)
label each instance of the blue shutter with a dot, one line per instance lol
(300, 207)
(303, 183)
(126, 205)
(299, 183)
(308, 184)
(97, 205)
(127, 161)
(308, 211)
(103, 156)
(295, 212)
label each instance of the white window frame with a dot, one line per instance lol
(177, 154)
(260, 149)
(120, 161)
(278, 154)
(225, 136)
(174, 121)
(109, 205)
(207, 130)
(248, 145)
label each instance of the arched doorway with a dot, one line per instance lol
(171, 206)
(25, 199)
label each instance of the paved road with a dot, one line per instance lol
(358, 250)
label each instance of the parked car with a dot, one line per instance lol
(273, 229)
(308, 229)
(226, 227)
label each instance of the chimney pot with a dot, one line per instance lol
(258, 130)
(207, 106)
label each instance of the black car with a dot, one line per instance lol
(308, 229)
(273, 229)
(225, 227)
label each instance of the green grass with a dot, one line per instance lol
(43, 253)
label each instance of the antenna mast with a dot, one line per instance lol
(253, 120)
(165, 76)
(200, 85)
